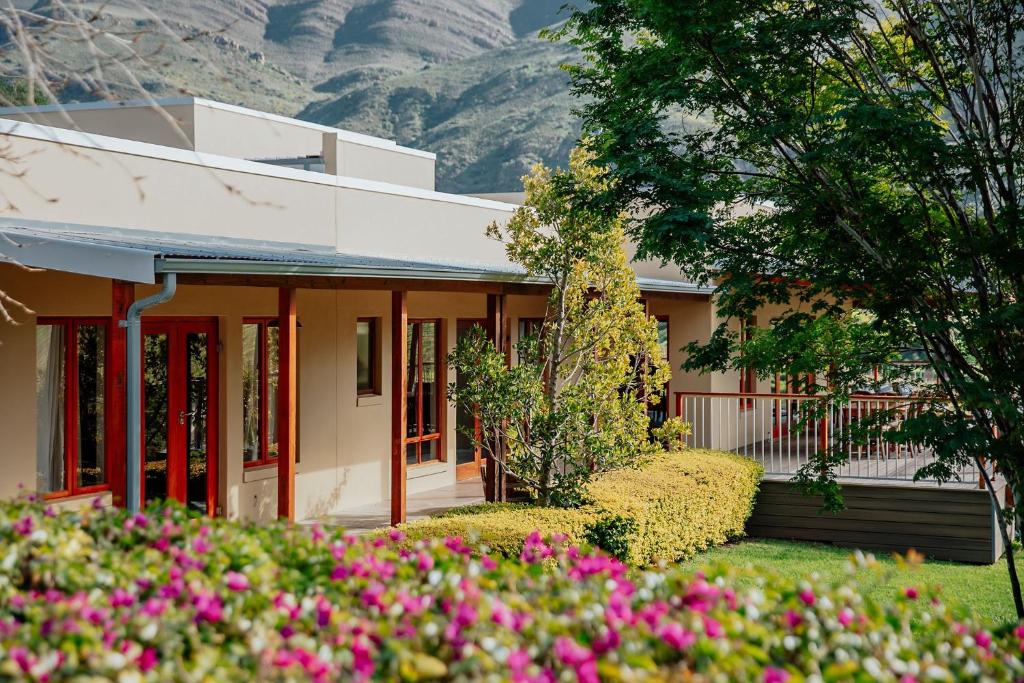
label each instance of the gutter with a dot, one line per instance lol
(133, 323)
(248, 267)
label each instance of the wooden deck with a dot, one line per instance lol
(945, 523)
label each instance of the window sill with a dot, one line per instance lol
(425, 470)
(259, 473)
(81, 500)
(369, 400)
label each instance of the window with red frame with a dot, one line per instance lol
(259, 391)
(71, 391)
(658, 412)
(748, 376)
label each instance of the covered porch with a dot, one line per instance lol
(350, 433)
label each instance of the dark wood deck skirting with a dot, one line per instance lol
(942, 523)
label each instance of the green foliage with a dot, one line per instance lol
(674, 505)
(669, 434)
(859, 155)
(15, 93)
(612, 534)
(576, 403)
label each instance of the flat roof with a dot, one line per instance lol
(346, 135)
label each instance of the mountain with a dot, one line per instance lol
(468, 80)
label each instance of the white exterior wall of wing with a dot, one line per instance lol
(171, 125)
(121, 184)
(378, 223)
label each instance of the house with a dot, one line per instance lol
(250, 314)
(329, 248)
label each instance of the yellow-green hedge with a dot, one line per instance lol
(680, 503)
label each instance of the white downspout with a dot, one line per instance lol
(133, 323)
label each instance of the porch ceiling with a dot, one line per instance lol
(138, 256)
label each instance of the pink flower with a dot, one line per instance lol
(792, 619)
(807, 597)
(911, 593)
(207, 606)
(983, 639)
(676, 636)
(488, 563)
(845, 616)
(236, 582)
(121, 598)
(773, 675)
(147, 660)
(424, 562)
(24, 525)
(201, 545)
(316, 532)
(396, 535)
(518, 660)
(712, 628)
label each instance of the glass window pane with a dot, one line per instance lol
(155, 388)
(92, 345)
(250, 392)
(271, 415)
(412, 378)
(663, 338)
(50, 373)
(430, 379)
(197, 420)
(364, 356)
(410, 453)
(428, 450)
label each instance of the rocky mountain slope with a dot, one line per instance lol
(469, 80)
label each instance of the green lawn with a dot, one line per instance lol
(984, 589)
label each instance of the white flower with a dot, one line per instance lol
(39, 536)
(430, 629)
(148, 632)
(129, 677)
(115, 660)
(488, 643)
(434, 577)
(872, 667)
(790, 642)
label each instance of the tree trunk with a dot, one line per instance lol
(1011, 565)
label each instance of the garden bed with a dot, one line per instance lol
(162, 596)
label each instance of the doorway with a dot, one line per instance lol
(467, 452)
(179, 417)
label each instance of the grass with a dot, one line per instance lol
(985, 589)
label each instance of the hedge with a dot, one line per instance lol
(675, 505)
(101, 595)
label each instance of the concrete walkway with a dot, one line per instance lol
(418, 506)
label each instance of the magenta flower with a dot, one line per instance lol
(983, 639)
(236, 581)
(792, 619)
(807, 597)
(845, 616)
(121, 598)
(773, 675)
(911, 593)
(147, 659)
(674, 635)
(24, 526)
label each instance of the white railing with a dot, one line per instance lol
(784, 432)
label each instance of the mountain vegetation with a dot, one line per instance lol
(470, 81)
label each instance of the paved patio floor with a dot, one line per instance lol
(418, 506)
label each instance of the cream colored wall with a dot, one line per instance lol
(417, 228)
(105, 188)
(170, 125)
(374, 163)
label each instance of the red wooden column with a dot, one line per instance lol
(399, 389)
(287, 345)
(494, 482)
(121, 297)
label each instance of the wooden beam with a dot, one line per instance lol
(287, 344)
(121, 297)
(399, 389)
(495, 325)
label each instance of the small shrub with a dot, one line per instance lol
(680, 503)
(669, 435)
(612, 534)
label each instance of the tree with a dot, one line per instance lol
(851, 153)
(576, 402)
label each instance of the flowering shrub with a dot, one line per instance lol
(676, 504)
(163, 596)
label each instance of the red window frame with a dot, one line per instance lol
(441, 382)
(748, 376)
(71, 326)
(374, 361)
(263, 368)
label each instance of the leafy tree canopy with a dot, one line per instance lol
(854, 154)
